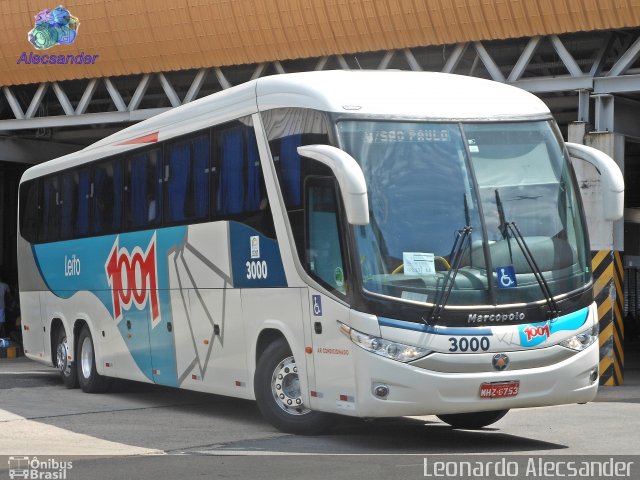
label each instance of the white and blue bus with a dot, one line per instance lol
(369, 243)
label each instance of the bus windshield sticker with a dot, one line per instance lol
(418, 263)
(339, 277)
(506, 277)
(255, 246)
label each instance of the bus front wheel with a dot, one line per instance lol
(66, 367)
(473, 420)
(277, 388)
(90, 380)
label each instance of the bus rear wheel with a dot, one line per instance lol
(89, 378)
(473, 420)
(66, 367)
(277, 388)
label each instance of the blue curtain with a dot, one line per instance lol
(179, 166)
(139, 203)
(82, 214)
(290, 170)
(67, 206)
(253, 174)
(200, 178)
(118, 195)
(231, 187)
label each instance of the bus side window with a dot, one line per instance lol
(107, 197)
(30, 212)
(143, 199)
(68, 203)
(83, 199)
(240, 191)
(187, 180)
(50, 209)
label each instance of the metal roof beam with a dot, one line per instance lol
(411, 60)
(621, 84)
(78, 120)
(13, 103)
(137, 96)
(554, 84)
(455, 57)
(489, 64)
(386, 60)
(115, 95)
(63, 99)
(524, 59)
(567, 59)
(169, 91)
(222, 80)
(36, 100)
(196, 85)
(87, 96)
(625, 60)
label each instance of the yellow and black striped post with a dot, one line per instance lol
(608, 275)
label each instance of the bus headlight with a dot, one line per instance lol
(393, 350)
(582, 340)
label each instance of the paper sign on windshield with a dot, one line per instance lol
(418, 263)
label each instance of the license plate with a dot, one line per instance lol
(499, 389)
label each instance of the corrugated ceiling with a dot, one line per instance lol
(140, 36)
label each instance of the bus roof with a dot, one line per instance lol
(394, 94)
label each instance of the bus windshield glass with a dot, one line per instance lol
(441, 199)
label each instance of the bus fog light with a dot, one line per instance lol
(582, 340)
(380, 391)
(385, 348)
(594, 375)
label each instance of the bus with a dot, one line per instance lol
(360, 243)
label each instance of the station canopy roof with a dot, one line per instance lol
(144, 36)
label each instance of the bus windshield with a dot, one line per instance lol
(441, 199)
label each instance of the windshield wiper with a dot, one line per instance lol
(505, 228)
(456, 257)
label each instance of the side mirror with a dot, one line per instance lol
(350, 178)
(612, 179)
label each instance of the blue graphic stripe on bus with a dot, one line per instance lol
(534, 334)
(421, 327)
(255, 258)
(128, 273)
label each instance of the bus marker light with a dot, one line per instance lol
(107, 364)
(195, 377)
(206, 342)
(26, 328)
(308, 349)
(239, 383)
(315, 394)
(156, 372)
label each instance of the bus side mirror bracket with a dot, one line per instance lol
(353, 187)
(612, 179)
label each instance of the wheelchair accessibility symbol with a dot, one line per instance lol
(506, 277)
(317, 305)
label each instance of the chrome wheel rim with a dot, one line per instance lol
(285, 386)
(62, 353)
(86, 357)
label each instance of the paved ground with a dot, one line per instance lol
(159, 432)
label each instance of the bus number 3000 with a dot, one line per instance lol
(464, 344)
(256, 270)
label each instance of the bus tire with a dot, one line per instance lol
(472, 420)
(67, 368)
(88, 377)
(278, 395)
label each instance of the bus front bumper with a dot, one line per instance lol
(416, 391)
